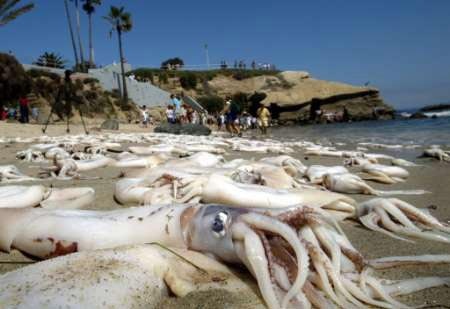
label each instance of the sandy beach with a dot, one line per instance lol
(431, 175)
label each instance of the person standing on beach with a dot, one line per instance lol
(263, 118)
(176, 105)
(144, 116)
(24, 112)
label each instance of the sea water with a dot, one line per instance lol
(422, 132)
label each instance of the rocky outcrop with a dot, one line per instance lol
(296, 92)
(190, 129)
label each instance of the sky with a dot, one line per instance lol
(402, 47)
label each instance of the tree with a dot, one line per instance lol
(188, 80)
(80, 44)
(14, 81)
(8, 13)
(89, 8)
(72, 38)
(121, 22)
(50, 60)
(213, 104)
(172, 62)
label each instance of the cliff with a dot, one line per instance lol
(293, 91)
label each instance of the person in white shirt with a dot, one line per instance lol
(144, 116)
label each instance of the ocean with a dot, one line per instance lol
(423, 132)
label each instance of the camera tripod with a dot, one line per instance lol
(67, 118)
(67, 94)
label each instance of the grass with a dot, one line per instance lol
(201, 75)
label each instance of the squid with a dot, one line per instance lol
(437, 153)
(297, 258)
(293, 167)
(316, 173)
(70, 168)
(10, 173)
(400, 218)
(353, 184)
(96, 279)
(40, 196)
(384, 173)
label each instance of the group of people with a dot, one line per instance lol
(21, 112)
(179, 112)
(231, 118)
(235, 121)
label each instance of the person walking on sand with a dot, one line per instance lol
(263, 118)
(232, 114)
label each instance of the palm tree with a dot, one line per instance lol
(50, 60)
(80, 45)
(69, 22)
(8, 13)
(121, 22)
(89, 8)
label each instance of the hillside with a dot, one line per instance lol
(292, 91)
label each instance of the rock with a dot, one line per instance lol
(189, 129)
(110, 124)
(418, 115)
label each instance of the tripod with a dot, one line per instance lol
(67, 91)
(67, 120)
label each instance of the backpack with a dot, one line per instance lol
(234, 108)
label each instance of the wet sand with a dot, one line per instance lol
(432, 176)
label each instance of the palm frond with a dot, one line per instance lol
(6, 5)
(14, 14)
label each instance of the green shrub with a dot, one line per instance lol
(213, 104)
(173, 62)
(188, 80)
(115, 93)
(163, 78)
(241, 99)
(90, 80)
(14, 82)
(43, 73)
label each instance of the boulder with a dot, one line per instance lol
(110, 124)
(418, 115)
(188, 129)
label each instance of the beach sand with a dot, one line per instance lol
(432, 176)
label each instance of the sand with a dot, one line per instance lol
(433, 176)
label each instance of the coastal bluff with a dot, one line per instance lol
(294, 92)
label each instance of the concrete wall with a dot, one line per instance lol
(141, 93)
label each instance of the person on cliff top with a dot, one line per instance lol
(231, 115)
(263, 118)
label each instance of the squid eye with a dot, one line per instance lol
(219, 224)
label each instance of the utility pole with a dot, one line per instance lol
(207, 55)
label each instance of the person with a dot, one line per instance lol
(263, 118)
(35, 113)
(4, 113)
(170, 114)
(144, 116)
(24, 113)
(176, 103)
(232, 113)
(182, 114)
